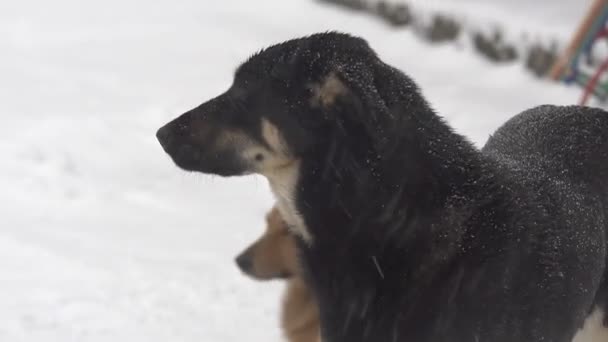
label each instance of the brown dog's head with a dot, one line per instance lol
(274, 254)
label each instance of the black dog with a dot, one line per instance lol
(407, 232)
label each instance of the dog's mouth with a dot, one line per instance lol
(193, 158)
(284, 275)
(223, 164)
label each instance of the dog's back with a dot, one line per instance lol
(570, 143)
(562, 154)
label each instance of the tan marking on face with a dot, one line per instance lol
(593, 329)
(279, 167)
(326, 93)
(273, 137)
(274, 157)
(282, 172)
(233, 139)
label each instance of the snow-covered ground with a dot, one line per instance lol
(101, 237)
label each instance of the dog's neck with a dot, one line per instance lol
(429, 171)
(283, 183)
(396, 221)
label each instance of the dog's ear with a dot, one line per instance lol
(348, 95)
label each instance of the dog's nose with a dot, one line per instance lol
(244, 262)
(164, 136)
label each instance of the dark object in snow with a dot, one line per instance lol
(442, 28)
(407, 232)
(494, 47)
(394, 14)
(540, 59)
(352, 4)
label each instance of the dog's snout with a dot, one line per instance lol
(244, 262)
(164, 136)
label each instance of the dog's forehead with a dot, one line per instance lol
(261, 63)
(300, 52)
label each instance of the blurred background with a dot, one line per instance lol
(102, 238)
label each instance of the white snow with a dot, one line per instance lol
(101, 237)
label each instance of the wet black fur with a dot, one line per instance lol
(417, 235)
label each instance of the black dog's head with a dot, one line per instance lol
(285, 101)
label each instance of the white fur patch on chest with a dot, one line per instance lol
(593, 330)
(283, 182)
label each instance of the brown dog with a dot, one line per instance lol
(273, 256)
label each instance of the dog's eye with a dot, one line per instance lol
(309, 90)
(259, 157)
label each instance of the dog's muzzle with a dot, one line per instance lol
(164, 137)
(195, 156)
